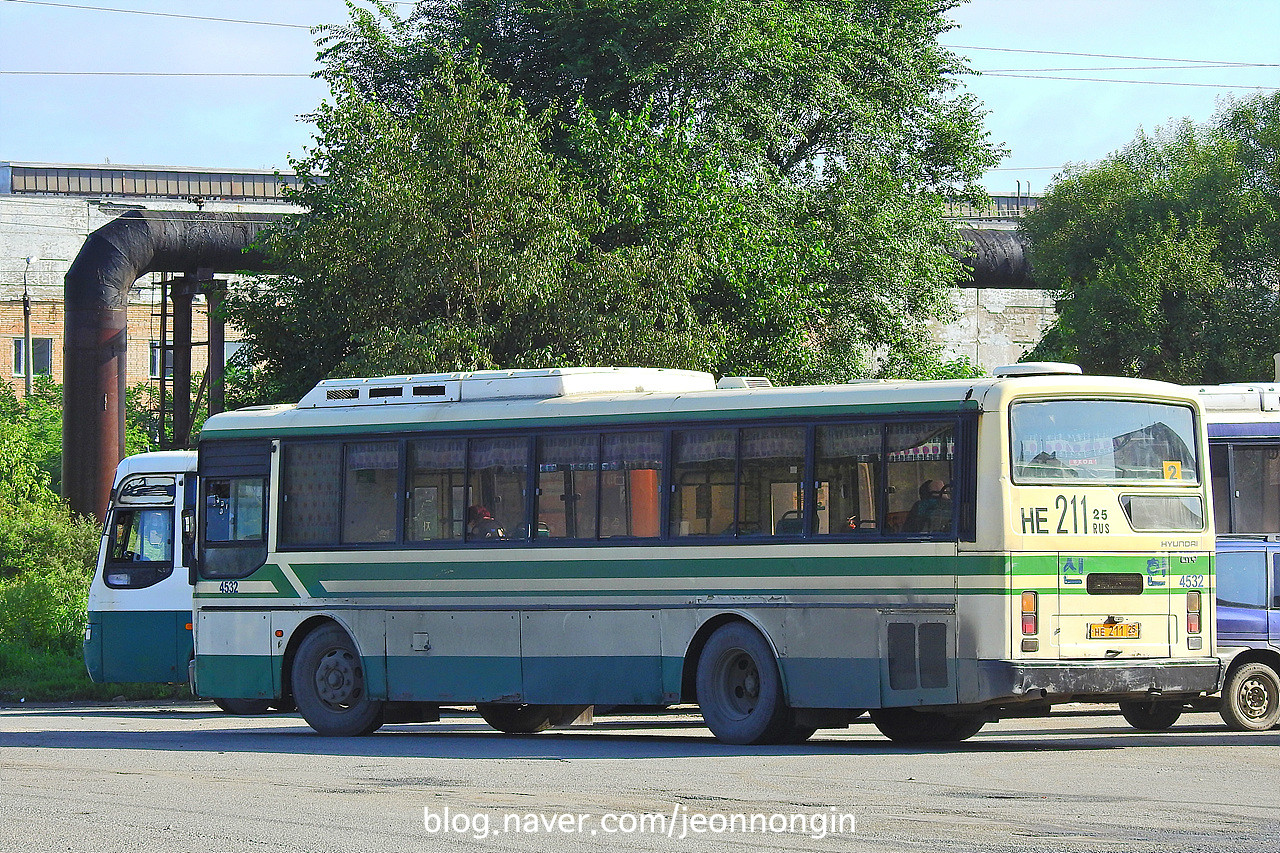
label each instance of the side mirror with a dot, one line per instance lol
(188, 527)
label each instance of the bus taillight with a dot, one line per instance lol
(1030, 622)
(1193, 612)
(1030, 616)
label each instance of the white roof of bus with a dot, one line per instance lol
(509, 408)
(1240, 402)
(157, 462)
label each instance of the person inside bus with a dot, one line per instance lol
(482, 525)
(932, 513)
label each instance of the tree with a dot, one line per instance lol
(755, 188)
(1165, 253)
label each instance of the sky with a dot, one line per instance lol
(95, 96)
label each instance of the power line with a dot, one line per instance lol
(1114, 68)
(1139, 82)
(148, 74)
(162, 14)
(1110, 56)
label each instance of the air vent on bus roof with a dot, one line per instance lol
(1037, 368)
(504, 385)
(744, 382)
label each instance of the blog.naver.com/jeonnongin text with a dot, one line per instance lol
(679, 823)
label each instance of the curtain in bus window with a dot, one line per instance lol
(630, 484)
(310, 494)
(847, 470)
(499, 468)
(918, 459)
(369, 492)
(567, 470)
(772, 482)
(702, 465)
(436, 482)
(1256, 483)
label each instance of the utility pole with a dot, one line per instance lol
(28, 364)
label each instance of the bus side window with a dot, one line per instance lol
(847, 466)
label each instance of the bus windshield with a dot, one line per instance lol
(1107, 441)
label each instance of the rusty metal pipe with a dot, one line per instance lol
(96, 293)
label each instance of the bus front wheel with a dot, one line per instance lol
(1251, 698)
(740, 690)
(1151, 716)
(329, 686)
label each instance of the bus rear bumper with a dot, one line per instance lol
(1095, 681)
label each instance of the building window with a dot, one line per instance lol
(42, 356)
(155, 362)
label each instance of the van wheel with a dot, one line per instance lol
(740, 690)
(244, 707)
(329, 686)
(907, 725)
(1251, 698)
(1151, 716)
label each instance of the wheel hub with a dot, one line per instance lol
(1255, 698)
(338, 678)
(741, 684)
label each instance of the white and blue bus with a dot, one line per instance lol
(535, 542)
(139, 614)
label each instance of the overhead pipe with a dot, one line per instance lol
(996, 258)
(96, 296)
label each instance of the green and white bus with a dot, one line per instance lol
(536, 542)
(138, 624)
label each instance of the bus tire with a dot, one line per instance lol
(739, 688)
(517, 719)
(1251, 698)
(244, 707)
(329, 687)
(1151, 716)
(907, 725)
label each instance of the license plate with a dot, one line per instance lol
(1121, 631)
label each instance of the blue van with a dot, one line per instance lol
(1248, 573)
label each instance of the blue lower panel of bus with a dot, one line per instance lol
(549, 680)
(452, 679)
(832, 682)
(633, 680)
(235, 677)
(138, 645)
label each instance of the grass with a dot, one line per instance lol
(34, 675)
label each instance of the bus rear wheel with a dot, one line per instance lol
(740, 689)
(1251, 698)
(1151, 716)
(329, 686)
(907, 725)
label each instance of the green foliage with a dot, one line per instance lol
(750, 188)
(47, 554)
(1166, 252)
